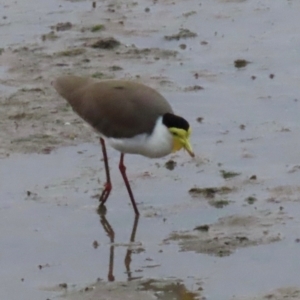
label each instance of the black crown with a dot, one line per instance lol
(171, 120)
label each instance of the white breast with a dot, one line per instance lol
(158, 144)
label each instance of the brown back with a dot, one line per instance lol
(115, 108)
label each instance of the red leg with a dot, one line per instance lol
(123, 172)
(107, 185)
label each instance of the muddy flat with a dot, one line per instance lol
(221, 226)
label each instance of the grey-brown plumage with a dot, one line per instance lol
(116, 108)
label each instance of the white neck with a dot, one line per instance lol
(158, 144)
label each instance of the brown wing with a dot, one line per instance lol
(115, 108)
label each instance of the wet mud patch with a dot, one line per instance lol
(210, 192)
(71, 52)
(136, 290)
(241, 63)
(193, 88)
(215, 196)
(230, 233)
(30, 122)
(281, 194)
(157, 53)
(229, 174)
(106, 43)
(182, 34)
(62, 26)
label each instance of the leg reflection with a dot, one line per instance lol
(127, 259)
(111, 234)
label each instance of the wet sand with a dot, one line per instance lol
(223, 225)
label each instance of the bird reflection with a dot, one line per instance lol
(111, 234)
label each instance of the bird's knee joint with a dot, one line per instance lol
(122, 168)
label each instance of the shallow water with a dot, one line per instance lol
(51, 233)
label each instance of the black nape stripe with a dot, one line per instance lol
(119, 87)
(171, 120)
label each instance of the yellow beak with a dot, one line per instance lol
(188, 147)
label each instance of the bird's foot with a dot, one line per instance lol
(105, 193)
(101, 209)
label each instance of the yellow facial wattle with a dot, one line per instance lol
(181, 139)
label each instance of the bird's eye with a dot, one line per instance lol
(175, 133)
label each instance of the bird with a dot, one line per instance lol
(131, 117)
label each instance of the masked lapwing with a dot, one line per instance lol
(131, 117)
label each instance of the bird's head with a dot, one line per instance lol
(180, 130)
